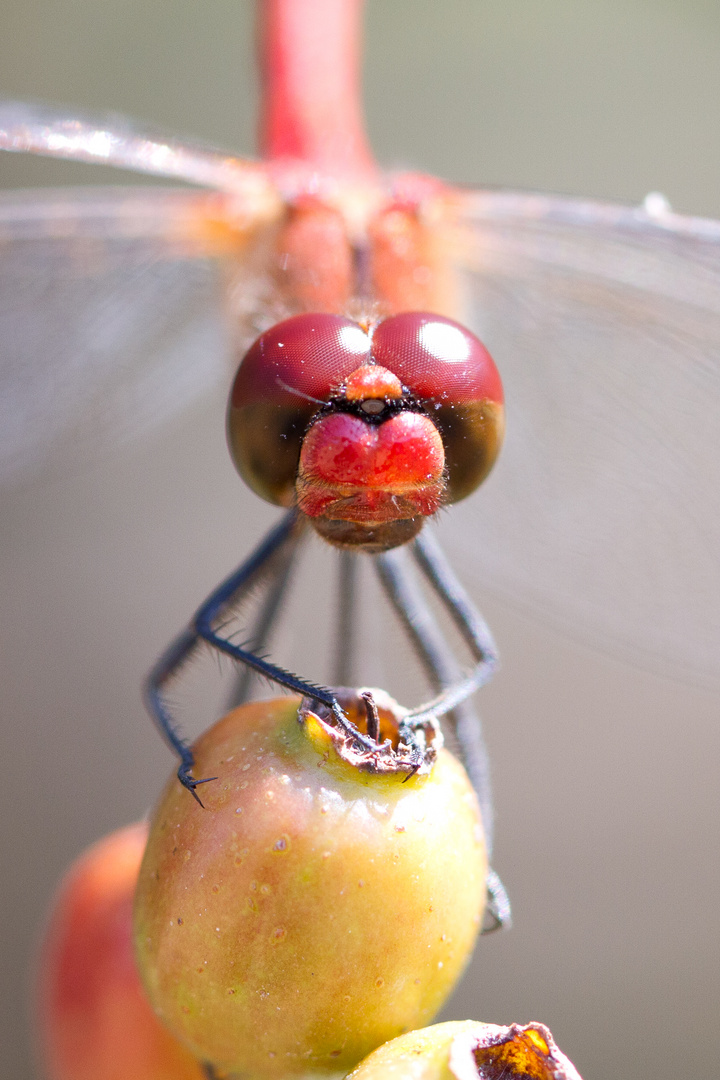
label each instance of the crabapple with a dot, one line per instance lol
(325, 899)
(95, 1021)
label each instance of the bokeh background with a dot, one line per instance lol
(606, 776)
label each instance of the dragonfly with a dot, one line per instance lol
(603, 319)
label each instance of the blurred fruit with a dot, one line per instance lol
(94, 1019)
(469, 1050)
(325, 900)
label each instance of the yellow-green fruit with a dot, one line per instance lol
(469, 1050)
(312, 910)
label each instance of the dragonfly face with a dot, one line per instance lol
(368, 428)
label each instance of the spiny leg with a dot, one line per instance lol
(442, 670)
(343, 661)
(265, 623)
(471, 625)
(280, 541)
(232, 592)
(172, 660)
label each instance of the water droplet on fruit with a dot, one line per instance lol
(282, 843)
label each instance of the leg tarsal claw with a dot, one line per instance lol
(191, 783)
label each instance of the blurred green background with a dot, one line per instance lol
(605, 776)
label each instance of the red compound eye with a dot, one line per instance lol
(285, 377)
(446, 366)
(436, 358)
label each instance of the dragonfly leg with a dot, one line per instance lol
(498, 915)
(174, 658)
(471, 625)
(231, 592)
(281, 542)
(346, 620)
(443, 670)
(262, 630)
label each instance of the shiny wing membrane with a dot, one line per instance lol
(111, 319)
(110, 307)
(603, 512)
(112, 139)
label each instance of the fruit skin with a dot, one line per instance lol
(311, 911)
(95, 1021)
(418, 1055)
(448, 1052)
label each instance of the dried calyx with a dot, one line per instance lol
(379, 738)
(504, 1053)
(469, 1050)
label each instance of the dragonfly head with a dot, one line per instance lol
(368, 430)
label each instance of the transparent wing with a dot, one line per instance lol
(603, 513)
(112, 139)
(111, 319)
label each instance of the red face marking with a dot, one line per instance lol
(356, 471)
(308, 356)
(438, 359)
(372, 383)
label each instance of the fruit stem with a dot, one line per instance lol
(373, 717)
